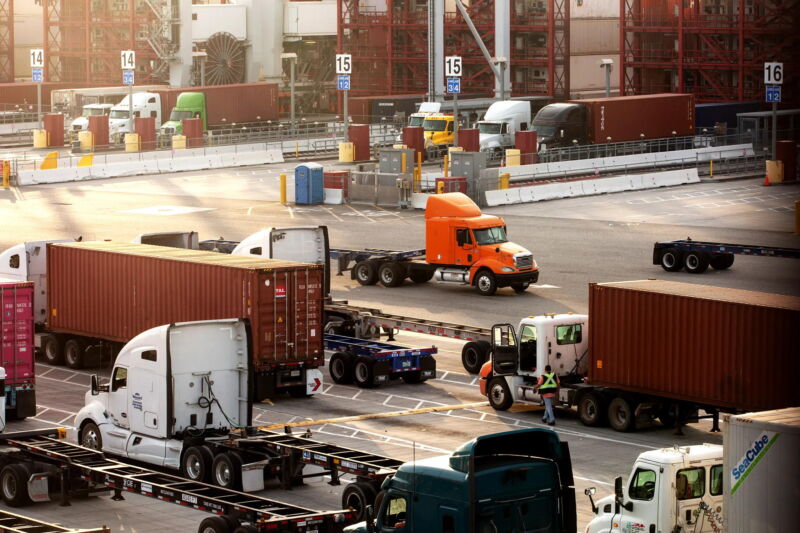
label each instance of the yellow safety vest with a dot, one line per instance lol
(549, 382)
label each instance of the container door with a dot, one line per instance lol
(273, 344)
(16, 334)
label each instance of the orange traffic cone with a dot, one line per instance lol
(766, 182)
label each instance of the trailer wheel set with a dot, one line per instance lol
(696, 256)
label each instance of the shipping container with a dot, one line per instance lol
(711, 114)
(17, 347)
(238, 103)
(114, 291)
(711, 346)
(25, 92)
(656, 116)
(761, 469)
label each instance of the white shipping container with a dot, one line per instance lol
(762, 469)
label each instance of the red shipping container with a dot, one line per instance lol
(54, 125)
(25, 92)
(656, 117)
(414, 138)
(193, 130)
(146, 128)
(469, 139)
(713, 346)
(359, 135)
(337, 179)
(16, 333)
(99, 126)
(525, 142)
(114, 291)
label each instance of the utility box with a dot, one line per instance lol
(469, 165)
(391, 160)
(309, 183)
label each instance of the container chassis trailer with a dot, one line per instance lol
(696, 256)
(31, 459)
(370, 363)
(14, 523)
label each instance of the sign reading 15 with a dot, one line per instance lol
(452, 66)
(344, 64)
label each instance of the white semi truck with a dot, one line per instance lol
(501, 123)
(144, 105)
(747, 484)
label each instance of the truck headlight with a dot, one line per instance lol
(507, 269)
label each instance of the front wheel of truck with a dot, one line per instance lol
(499, 394)
(485, 283)
(91, 437)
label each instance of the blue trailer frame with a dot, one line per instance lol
(371, 363)
(696, 256)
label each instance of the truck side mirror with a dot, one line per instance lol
(562, 133)
(590, 492)
(618, 488)
(369, 516)
(95, 387)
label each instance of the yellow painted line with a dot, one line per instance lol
(523, 408)
(371, 416)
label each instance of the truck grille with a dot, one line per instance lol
(169, 131)
(523, 260)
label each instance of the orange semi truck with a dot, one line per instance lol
(463, 246)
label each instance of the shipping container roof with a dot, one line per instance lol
(194, 256)
(709, 292)
(783, 417)
(630, 97)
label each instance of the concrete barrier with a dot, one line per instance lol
(332, 196)
(129, 164)
(588, 187)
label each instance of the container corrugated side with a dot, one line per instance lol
(16, 332)
(762, 468)
(710, 345)
(115, 291)
(625, 118)
(240, 103)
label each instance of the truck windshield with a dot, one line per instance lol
(489, 127)
(494, 235)
(180, 115)
(93, 112)
(119, 114)
(434, 125)
(416, 121)
(544, 131)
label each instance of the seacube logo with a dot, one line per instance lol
(751, 457)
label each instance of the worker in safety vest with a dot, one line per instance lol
(548, 388)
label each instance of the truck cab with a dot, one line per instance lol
(561, 341)
(188, 105)
(438, 131)
(512, 481)
(144, 105)
(501, 122)
(170, 384)
(667, 490)
(92, 110)
(559, 124)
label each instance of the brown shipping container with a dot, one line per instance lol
(25, 92)
(721, 347)
(624, 118)
(114, 291)
(239, 103)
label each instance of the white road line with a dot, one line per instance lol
(334, 215)
(593, 480)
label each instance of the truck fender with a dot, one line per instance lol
(485, 375)
(91, 412)
(492, 265)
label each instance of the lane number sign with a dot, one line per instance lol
(773, 73)
(37, 58)
(128, 60)
(452, 67)
(344, 64)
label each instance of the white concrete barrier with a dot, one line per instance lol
(332, 196)
(587, 187)
(419, 200)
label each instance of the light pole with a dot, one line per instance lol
(292, 57)
(608, 65)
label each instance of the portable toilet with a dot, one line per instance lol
(308, 184)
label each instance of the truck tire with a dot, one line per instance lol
(90, 436)
(14, 485)
(696, 262)
(357, 496)
(366, 273)
(364, 372)
(621, 414)
(520, 288)
(672, 260)
(340, 368)
(196, 463)
(499, 394)
(226, 471)
(721, 261)
(53, 349)
(485, 283)
(591, 410)
(74, 353)
(391, 274)
(214, 524)
(474, 354)
(421, 276)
